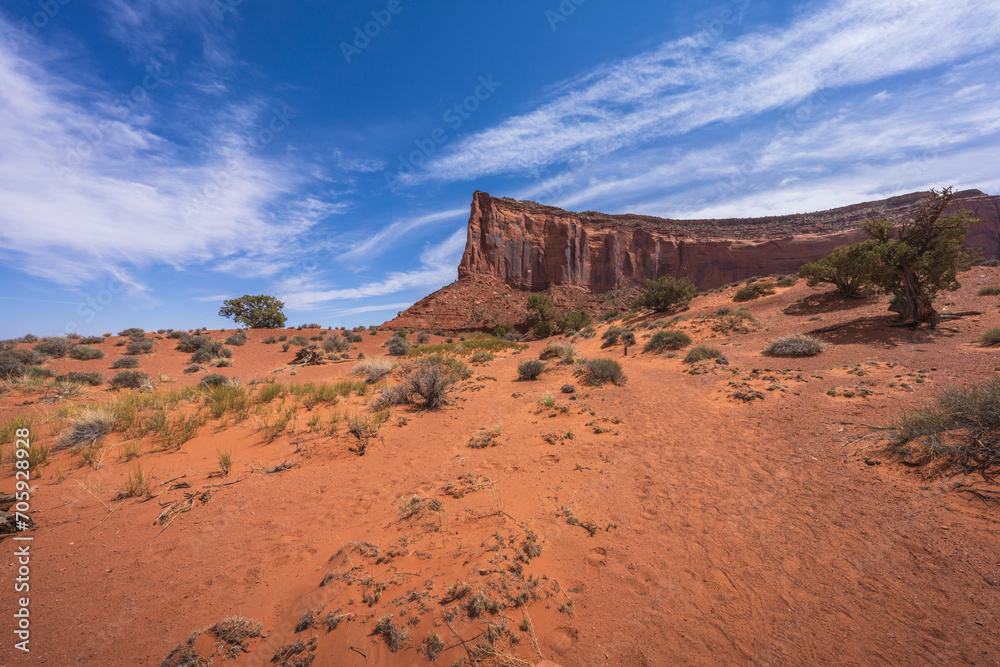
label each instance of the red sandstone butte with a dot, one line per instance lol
(515, 246)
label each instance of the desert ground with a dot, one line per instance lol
(745, 512)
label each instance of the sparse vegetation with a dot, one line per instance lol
(432, 378)
(989, 291)
(797, 345)
(237, 339)
(80, 377)
(138, 484)
(140, 346)
(56, 347)
(90, 427)
(961, 427)
(391, 634)
(753, 291)
(374, 369)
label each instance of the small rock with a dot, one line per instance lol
(568, 389)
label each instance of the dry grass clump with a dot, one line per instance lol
(433, 377)
(990, 338)
(564, 353)
(482, 358)
(701, 353)
(374, 369)
(185, 656)
(795, 345)
(139, 483)
(235, 632)
(991, 290)
(391, 634)
(89, 428)
(961, 426)
(667, 340)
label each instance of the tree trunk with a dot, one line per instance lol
(913, 306)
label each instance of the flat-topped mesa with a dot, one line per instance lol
(529, 246)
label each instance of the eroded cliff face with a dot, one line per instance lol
(528, 246)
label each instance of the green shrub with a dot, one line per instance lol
(667, 339)
(503, 330)
(611, 336)
(130, 380)
(989, 291)
(701, 353)
(56, 347)
(140, 346)
(85, 352)
(79, 377)
(132, 332)
(530, 370)
(753, 291)
(433, 377)
(299, 340)
(353, 337)
(564, 353)
(257, 311)
(600, 371)
(176, 335)
(125, 362)
(481, 357)
(237, 339)
(91, 340)
(787, 281)
(574, 321)
(214, 380)
(797, 345)
(665, 293)
(543, 329)
(398, 346)
(270, 340)
(611, 315)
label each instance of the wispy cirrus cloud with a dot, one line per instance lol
(89, 188)
(683, 86)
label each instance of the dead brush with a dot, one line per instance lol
(89, 428)
(391, 634)
(234, 633)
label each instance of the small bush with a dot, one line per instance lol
(432, 378)
(798, 345)
(600, 371)
(91, 340)
(611, 315)
(787, 281)
(132, 332)
(530, 370)
(56, 347)
(125, 362)
(270, 340)
(78, 377)
(990, 338)
(130, 380)
(237, 339)
(354, 338)
(503, 330)
(140, 346)
(192, 343)
(701, 353)
(398, 346)
(989, 291)
(90, 427)
(753, 291)
(214, 380)
(336, 343)
(423, 337)
(27, 338)
(176, 335)
(667, 339)
(299, 340)
(85, 352)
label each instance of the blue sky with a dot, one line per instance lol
(157, 158)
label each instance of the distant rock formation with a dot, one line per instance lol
(515, 246)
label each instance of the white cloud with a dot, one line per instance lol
(680, 87)
(87, 190)
(377, 243)
(438, 266)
